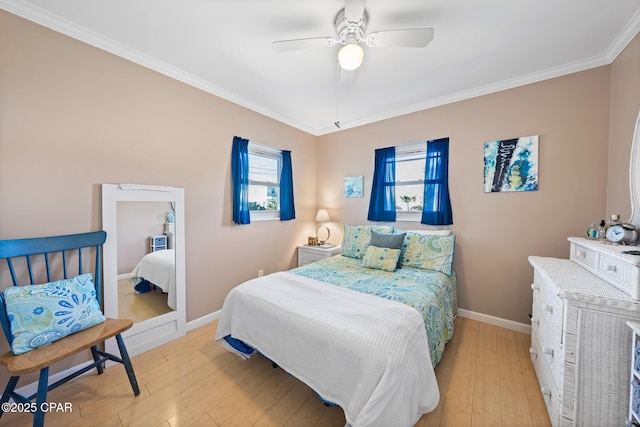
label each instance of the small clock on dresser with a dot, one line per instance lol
(622, 233)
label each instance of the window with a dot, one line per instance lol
(410, 164)
(410, 183)
(265, 166)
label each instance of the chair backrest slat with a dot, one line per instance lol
(14, 278)
(64, 265)
(30, 268)
(46, 261)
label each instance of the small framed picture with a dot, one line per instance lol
(354, 186)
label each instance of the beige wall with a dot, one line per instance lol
(496, 232)
(625, 103)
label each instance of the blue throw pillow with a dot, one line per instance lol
(387, 240)
(42, 314)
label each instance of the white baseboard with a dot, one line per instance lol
(123, 276)
(496, 321)
(204, 320)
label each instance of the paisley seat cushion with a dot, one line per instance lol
(42, 314)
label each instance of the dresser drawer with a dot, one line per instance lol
(547, 304)
(609, 263)
(584, 255)
(550, 350)
(550, 394)
(614, 269)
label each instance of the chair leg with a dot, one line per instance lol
(96, 357)
(126, 361)
(11, 385)
(41, 397)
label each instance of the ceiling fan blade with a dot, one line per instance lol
(354, 10)
(415, 37)
(298, 44)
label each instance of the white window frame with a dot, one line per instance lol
(270, 153)
(403, 153)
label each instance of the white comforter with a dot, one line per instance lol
(367, 354)
(159, 268)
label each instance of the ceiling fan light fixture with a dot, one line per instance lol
(350, 56)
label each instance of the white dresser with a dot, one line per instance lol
(580, 343)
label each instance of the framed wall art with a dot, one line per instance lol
(511, 165)
(354, 186)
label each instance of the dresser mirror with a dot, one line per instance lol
(145, 244)
(634, 176)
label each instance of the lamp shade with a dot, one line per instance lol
(322, 216)
(350, 56)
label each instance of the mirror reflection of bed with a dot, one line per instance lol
(146, 266)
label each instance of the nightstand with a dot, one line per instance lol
(157, 243)
(308, 254)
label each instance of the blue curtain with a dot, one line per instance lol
(437, 205)
(287, 208)
(240, 180)
(382, 206)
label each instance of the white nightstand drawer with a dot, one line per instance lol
(309, 254)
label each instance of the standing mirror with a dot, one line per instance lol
(144, 262)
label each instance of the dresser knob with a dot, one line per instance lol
(533, 353)
(611, 268)
(547, 307)
(547, 350)
(545, 392)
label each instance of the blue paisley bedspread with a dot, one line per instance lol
(432, 293)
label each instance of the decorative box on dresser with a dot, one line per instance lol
(308, 254)
(579, 338)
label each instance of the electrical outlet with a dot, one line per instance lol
(260, 273)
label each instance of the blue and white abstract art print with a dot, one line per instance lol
(511, 165)
(354, 186)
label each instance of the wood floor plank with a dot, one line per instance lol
(193, 381)
(486, 386)
(515, 404)
(461, 385)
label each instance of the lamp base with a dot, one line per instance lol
(320, 240)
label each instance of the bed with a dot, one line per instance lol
(362, 337)
(159, 268)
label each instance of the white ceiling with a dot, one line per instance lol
(224, 47)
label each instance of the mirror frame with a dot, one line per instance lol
(634, 175)
(158, 330)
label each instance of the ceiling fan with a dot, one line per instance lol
(351, 26)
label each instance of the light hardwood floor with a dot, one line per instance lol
(485, 377)
(139, 307)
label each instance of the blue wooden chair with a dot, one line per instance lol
(55, 255)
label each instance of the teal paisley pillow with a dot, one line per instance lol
(357, 237)
(381, 258)
(42, 314)
(428, 251)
